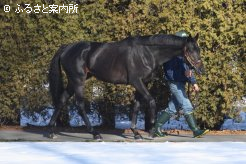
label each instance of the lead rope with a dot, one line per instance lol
(195, 102)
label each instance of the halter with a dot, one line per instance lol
(190, 60)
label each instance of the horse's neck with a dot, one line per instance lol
(164, 55)
(167, 47)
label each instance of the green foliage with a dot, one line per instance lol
(28, 42)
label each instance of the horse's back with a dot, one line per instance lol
(115, 62)
(108, 61)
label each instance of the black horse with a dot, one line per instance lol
(130, 61)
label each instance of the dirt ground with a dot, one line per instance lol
(126, 131)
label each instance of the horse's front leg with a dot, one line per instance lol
(152, 105)
(136, 109)
(142, 90)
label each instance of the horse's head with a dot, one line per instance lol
(192, 54)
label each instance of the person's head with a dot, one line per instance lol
(192, 51)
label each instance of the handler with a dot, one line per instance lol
(177, 73)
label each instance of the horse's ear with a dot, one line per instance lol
(196, 37)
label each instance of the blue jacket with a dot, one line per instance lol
(174, 70)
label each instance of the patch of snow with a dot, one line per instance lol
(122, 153)
(122, 120)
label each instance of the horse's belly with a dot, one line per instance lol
(111, 76)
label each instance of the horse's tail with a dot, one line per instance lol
(55, 77)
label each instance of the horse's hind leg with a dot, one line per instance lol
(67, 93)
(79, 91)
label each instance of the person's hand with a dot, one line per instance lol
(195, 88)
(188, 73)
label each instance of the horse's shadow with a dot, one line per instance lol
(81, 134)
(70, 133)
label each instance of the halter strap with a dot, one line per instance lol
(189, 59)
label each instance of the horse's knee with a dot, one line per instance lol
(136, 106)
(137, 103)
(152, 104)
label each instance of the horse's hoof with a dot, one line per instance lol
(138, 137)
(52, 136)
(151, 133)
(97, 137)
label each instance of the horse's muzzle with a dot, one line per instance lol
(201, 71)
(198, 66)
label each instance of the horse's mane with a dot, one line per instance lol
(152, 40)
(159, 40)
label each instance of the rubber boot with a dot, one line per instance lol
(193, 126)
(162, 119)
